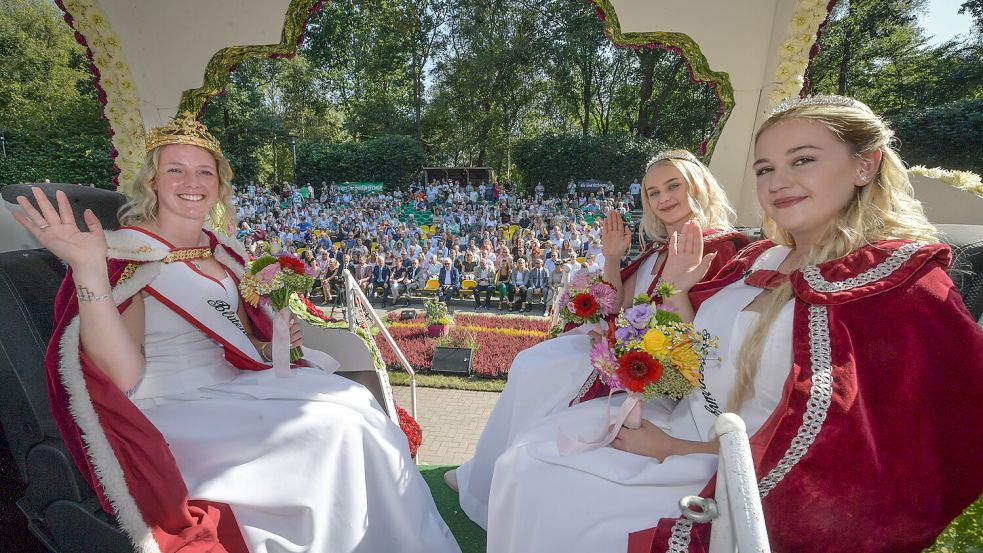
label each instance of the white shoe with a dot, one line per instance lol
(450, 478)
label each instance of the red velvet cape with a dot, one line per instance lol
(177, 523)
(724, 243)
(900, 451)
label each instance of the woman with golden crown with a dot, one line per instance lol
(843, 345)
(556, 374)
(160, 384)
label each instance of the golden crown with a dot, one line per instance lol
(671, 154)
(184, 129)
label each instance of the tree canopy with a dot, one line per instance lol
(478, 82)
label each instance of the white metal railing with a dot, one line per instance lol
(355, 300)
(735, 511)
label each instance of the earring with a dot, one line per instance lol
(865, 178)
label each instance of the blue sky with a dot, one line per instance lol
(943, 22)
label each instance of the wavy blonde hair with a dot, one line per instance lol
(141, 204)
(707, 199)
(883, 209)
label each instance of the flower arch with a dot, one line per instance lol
(697, 65)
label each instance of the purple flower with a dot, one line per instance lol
(627, 333)
(639, 316)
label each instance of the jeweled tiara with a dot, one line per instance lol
(817, 100)
(671, 154)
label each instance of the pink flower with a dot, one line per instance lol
(606, 297)
(580, 279)
(605, 363)
(267, 274)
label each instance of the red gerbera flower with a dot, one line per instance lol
(584, 305)
(291, 263)
(636, 369)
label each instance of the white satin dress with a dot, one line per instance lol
(308, 464)
(542, 380)
(541, 500)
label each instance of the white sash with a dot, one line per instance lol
(211, 312)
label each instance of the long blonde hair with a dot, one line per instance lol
(707, 199)
(141, 204)
(883, 209)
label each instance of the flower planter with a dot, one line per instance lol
(438, 331)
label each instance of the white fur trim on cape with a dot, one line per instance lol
(223, 257)
(97, 446)
(127, 245)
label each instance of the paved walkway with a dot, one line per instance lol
(452, 420)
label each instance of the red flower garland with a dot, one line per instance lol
(584, 305)
(636, 369)
(315, 310)
(409, 426)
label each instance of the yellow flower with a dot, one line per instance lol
(656, 344)
(252, 299)
(687, 362)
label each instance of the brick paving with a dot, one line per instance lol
(452, 420)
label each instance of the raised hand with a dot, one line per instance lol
(56, 230)
(615, 236)
(685, 263)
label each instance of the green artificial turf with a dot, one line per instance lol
(469, 535)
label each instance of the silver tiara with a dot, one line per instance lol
(818, 100)
(672, 154)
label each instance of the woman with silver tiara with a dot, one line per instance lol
(842, 344)
(160, 383)
(556, 374)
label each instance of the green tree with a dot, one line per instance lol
(49, 113)
(556, 159)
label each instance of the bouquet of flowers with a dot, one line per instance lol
(649, 351)
(587, 298)
(276, 278)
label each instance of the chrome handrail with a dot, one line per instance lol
(354, 293)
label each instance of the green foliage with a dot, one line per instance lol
(942, 136)
(394, 160)
(49, 113)
(875, 51)
(556, 159)
(69, 159)
(466, 80)
(464, 340)
(436, 312)
(964, 534)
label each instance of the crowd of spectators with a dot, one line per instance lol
(475, 242)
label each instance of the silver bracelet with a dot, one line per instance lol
(84, 294)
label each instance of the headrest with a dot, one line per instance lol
(104, 203)
(966, 242)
